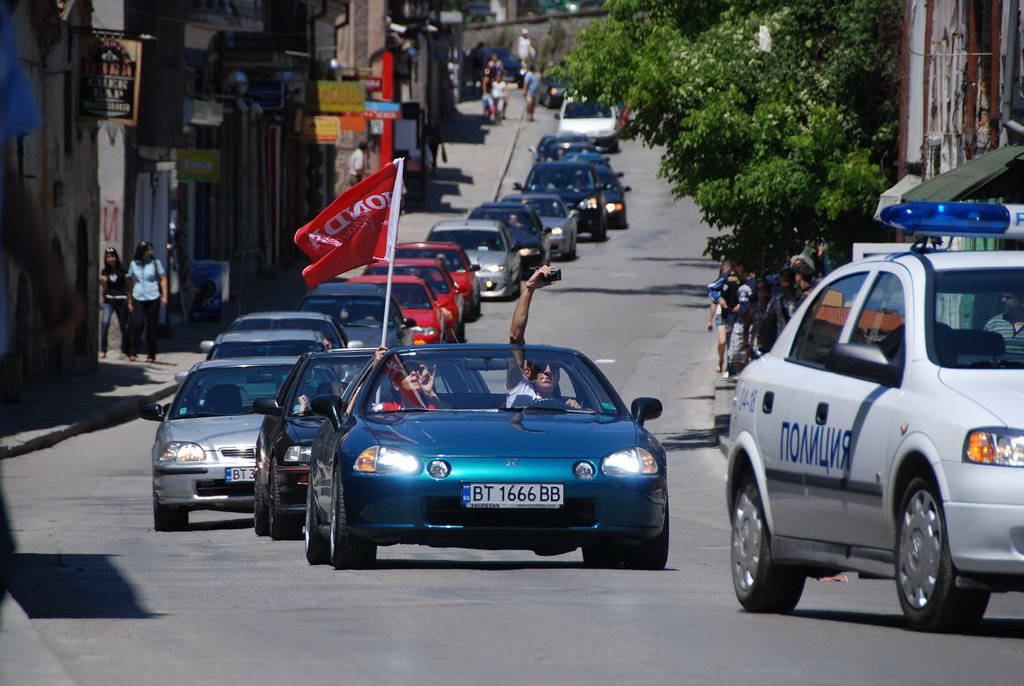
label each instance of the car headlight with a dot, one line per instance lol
(298, 453)
(557, 231)
(527, 252)
(493, 268)
(553, 91)
(1004, 447)
(588, 204)
(384, 460)
(613, 207)
(180, 451)
(424, 330)
(629, 462)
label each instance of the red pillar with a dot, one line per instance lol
(387, 92)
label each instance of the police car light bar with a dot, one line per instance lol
(935, 219)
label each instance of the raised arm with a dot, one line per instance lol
(517, 332)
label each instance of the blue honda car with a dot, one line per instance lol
(488, 447)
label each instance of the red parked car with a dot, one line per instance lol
(440, 279)
(419, 303)
(458, 263)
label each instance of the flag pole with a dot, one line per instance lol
(389, 254)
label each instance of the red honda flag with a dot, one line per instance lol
(351, 231)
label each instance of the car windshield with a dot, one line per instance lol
(979, 318)
(573, 178)
(359, 311)
(583, 152)
(451, 258)
(329, 376)
(492, 380)
(546, 207)
(265, 349)
(432, 275)
(587, 110)
(411, 295)
(471, 239)
(518, 221)
(226, 390)
(323, 327)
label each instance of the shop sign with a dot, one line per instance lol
(340, 97)
(375, 109)
(109, 72)
(322, 129)
(199, 165)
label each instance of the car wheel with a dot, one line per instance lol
(649, 554)
(316, 547)
(167, 518)
(761, 585)
(347, 551)
(460, 335)
(284, 526)
(260, 510)
(603, 554)
(572, 253)
(925, 577)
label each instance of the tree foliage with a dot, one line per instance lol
(780, 148)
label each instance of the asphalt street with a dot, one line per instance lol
(118, 603)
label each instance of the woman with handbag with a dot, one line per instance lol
(148, 293)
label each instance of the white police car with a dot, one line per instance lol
(884, 432)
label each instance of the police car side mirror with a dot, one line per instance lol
(329, 407)
(864, 361)
(643, 409)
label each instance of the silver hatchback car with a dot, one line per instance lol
(204, 454)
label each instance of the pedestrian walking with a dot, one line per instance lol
(724, 294)
(148, 293)
(499, 95)
(357, 164)
(524, 47)
(114, 300)
(531, 85)
(477, 61)
(781, 309)
(745, 297)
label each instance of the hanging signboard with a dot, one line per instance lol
(322, 130)
(340, 97)
(375, 109)
(198, 165)
(109, 72)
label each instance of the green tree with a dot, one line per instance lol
(780, 147)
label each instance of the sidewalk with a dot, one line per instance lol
(53, 410)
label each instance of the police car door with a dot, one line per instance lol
(846, 493)
(814, 442)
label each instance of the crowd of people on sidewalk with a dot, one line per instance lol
(490, 74)
(134, 295)
(747, 313)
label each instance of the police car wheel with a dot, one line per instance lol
(761, 585)
(347, 551)
(316, 546)
(925, 577)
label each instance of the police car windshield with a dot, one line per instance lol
(979, 318)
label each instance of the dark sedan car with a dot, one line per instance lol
(359, 309)
(552, 92)
(285, 437)
(453, 446)
(331, 332)
(526, 227)
(550, 143)
(614, 197)
(578, 185)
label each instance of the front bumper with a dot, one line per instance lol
(617, 219)
(532, 262)
(420, 510)
(292, 482)
(605, 143)
(202, 487)
(590, 221)
(495, 284)
(560, 245)
(985, 518)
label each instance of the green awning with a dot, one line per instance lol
(969, 180)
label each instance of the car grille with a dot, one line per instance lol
(450, 512)
(244, 453)
(212, 487)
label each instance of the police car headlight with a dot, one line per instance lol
(629, 462)
(384, 460)
(298, 453)
(588, 204)
(1003, 447)
(179, 451)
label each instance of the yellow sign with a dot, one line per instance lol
(199, 165)
(340, 97)
(322, 129)
(108, 79)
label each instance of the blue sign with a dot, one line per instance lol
(208, 282)
(267, 94)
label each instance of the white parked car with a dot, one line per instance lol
(884, 433)
(599, 123)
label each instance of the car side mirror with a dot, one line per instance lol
(518, 186)
(643, 409)
(864, 361)
(558, 115)
(532, 149)
(474, 267)
(627, 189)
(153, 412)
(620, 174)
(267, 406)
(206, 346)
(180, 377)
(409, 322)
(329, 407)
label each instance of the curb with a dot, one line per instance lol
(25, 659)
(508, 158)
(115, 414)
